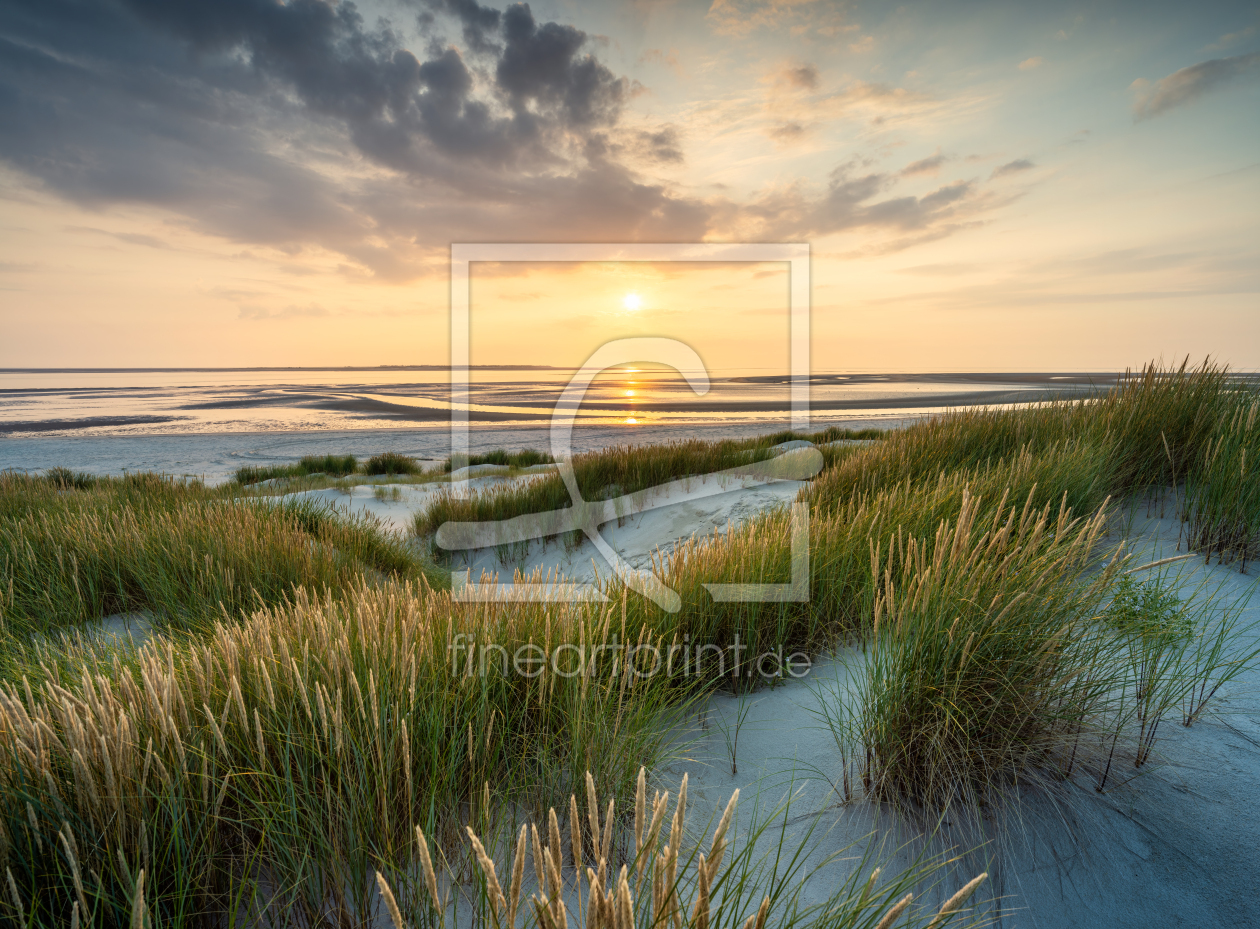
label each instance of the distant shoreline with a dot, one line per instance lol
(286, 368)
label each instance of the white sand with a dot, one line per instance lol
(699, 507)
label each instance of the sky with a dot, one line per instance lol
(983, 186)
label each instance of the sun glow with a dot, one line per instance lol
(632, 302)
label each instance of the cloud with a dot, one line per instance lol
(544, 65)
(930, 165)
(666, 59)
(1013, 167)
(299, 127)
(804, 77)
(1232, 38)
(787, 132)
(479, 23)
(791, 116)
(1029, 63)
(131, 238)
(664, 145)
(855, 200)
(1189, 84)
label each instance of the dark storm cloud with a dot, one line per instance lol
(1190, 83)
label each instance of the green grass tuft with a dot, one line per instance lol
(391, 463)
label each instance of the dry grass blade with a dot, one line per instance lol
(952, 905)
(494, 892)
(426, 865)
(895, 912)
(15, 897)
(518, 874)
(390, 903)
(137, 905)
(758, 919)
(718, 847)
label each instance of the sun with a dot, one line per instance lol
(632, 302)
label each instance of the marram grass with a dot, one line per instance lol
(666, 879)
(302, 745)
(183, 552)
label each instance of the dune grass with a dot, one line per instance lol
(391, 463)
(281, 763)
(1223, 487)
(181, 551)
(984, 655)
(662, 884)
(525, 458)
(334, 465)
(303, 744)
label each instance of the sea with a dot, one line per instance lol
(207, 422)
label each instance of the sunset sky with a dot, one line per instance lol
(984, 186)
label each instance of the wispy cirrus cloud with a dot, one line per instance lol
(928, 166)
(1014, 167)
(1189, 84)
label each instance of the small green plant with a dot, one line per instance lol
(1156, 626)
(1224, 647)
(1151, 611)
(387, 494)
(730, 731)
